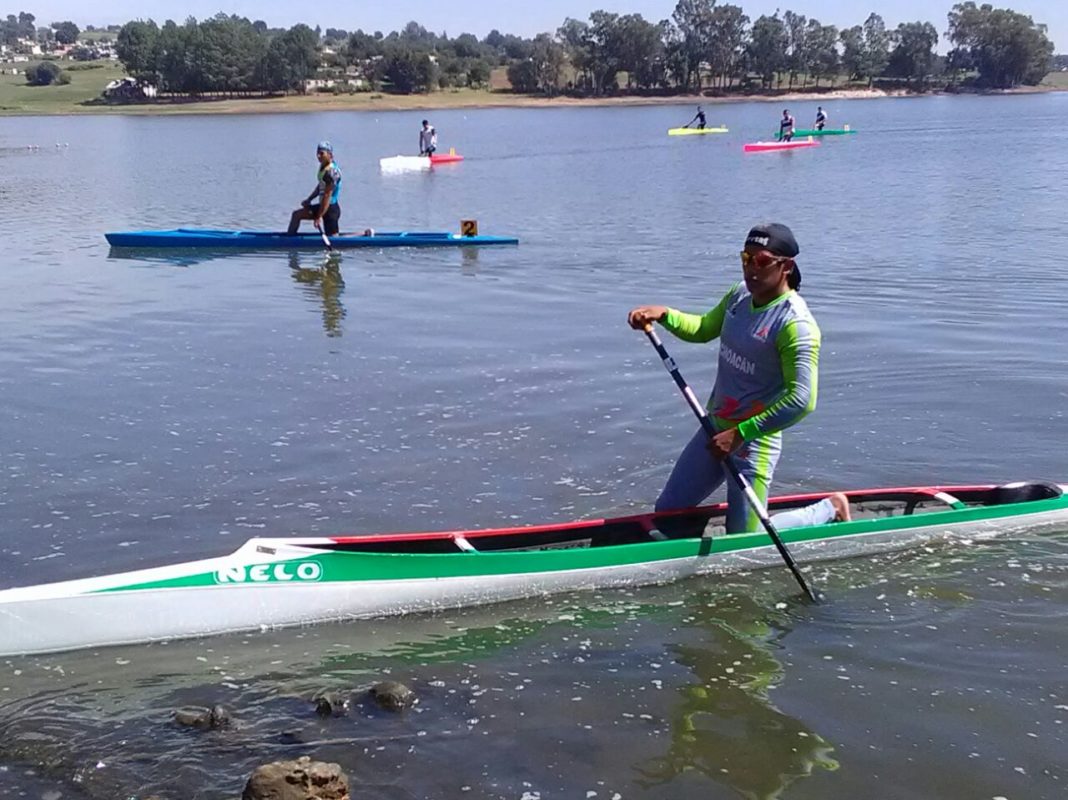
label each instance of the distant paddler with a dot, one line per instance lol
(326, 213)
(428, 139)
(699, 118)
(786, 126)
(821, 118)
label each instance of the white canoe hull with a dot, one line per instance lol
(63, 616)
(404, 163)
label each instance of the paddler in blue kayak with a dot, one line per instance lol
(786, 126)
(821, 118)
(766, 381)
(699, 118)
(327, 212)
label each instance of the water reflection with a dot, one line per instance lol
(320, 277)
(725, 726)
(166, 257)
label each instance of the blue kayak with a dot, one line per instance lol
(199, 237)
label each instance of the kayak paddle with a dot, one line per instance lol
(739, 478)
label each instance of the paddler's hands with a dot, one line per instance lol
(318, 223)
(724, 443)
(641, 316)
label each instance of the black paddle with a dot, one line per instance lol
(739, 478)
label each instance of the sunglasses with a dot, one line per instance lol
(761, 260)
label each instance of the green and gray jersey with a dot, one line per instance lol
(768, 360)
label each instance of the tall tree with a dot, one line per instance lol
(823, 59)
(727, 30)
(913, 56)
(136, 48)
(66, 32)
(173, 53)
(767, 48)
(604, 46)
(549, 60)
(876, 47)
(574, 35)
(796, 44)
(523, 75)
(362, 47)
(291, 59)
(640, 50)
(852, 51)
(27, 28)
(693, 18)
(1006, 48)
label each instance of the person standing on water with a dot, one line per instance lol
(786, 126)
(326, 214)
(821, 118)
(699, 119)
(766, 381)
(428, 139)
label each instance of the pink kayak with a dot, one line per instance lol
(764, 147)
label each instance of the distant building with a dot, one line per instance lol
(27, 47)
(314, 84)
(129, 89)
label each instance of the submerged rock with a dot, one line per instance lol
(302, 779)
(331, 704)
(203, 718)
(393, 696)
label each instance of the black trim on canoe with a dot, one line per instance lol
(689, 523)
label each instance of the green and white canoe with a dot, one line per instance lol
(825, 132)
(269, 583)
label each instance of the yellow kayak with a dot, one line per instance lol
(692, 131)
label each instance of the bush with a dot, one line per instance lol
(44, 74)
(523, 76)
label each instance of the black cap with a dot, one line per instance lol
(774, 237)
(780, 240)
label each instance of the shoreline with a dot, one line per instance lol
(482, 99)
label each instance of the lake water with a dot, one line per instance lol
(159, 409)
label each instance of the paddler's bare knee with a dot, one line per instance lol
(841, 507)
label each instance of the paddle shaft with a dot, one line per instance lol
(739, 478)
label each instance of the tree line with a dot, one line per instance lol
(709, 46)
(703, 46)
(24, 26)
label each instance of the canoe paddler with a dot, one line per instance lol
(327, 212)
(428, 139)
(766, 381)
(821, 118)
(699, 118)
(786, 126)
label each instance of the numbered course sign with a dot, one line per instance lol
(469, 227)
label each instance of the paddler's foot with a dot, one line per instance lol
(841, 507)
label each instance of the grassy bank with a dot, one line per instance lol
(1056, 80)
(89, 78)
(87, 81)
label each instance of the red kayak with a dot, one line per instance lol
(765, 147)
(445, 158)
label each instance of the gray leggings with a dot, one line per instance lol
(697, 474)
